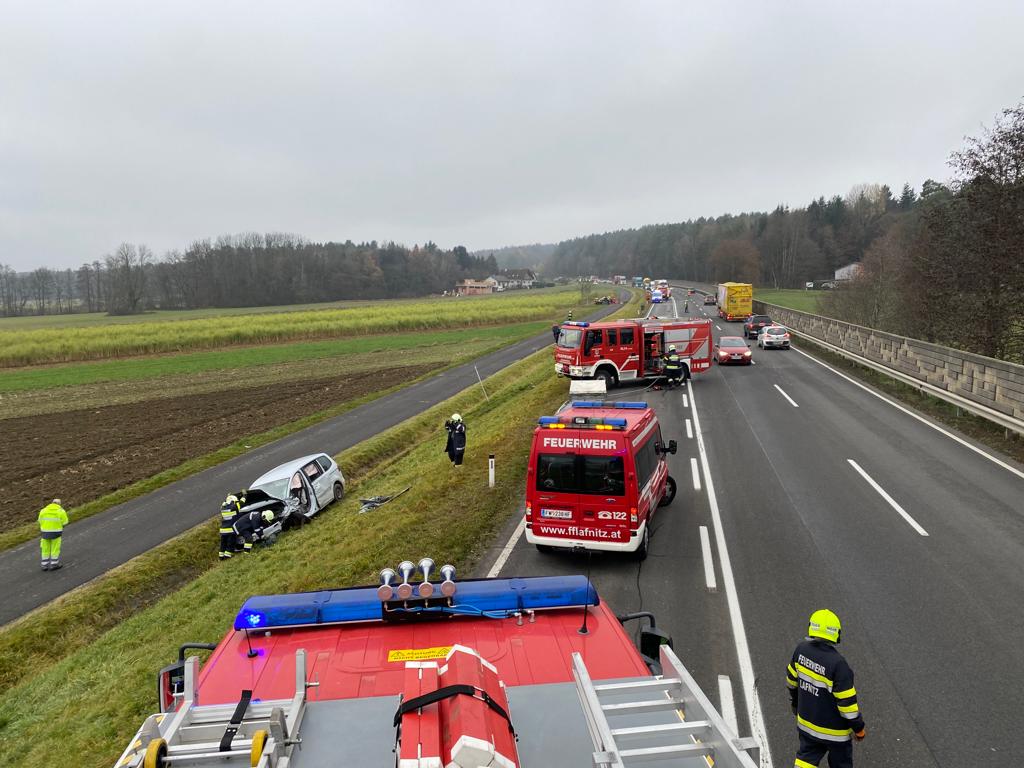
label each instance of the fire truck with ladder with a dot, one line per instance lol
(627, 350)
(423, 671)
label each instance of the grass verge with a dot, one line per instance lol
(89, 689)
(985, 432)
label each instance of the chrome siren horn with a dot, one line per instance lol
(385, 591)
(405, 570)
(425, 588)
(448, 585)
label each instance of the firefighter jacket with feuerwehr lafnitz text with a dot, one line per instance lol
(820, 684)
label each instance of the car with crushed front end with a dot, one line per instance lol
(298, 490)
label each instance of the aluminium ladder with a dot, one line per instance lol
(679, 723)
(260, 734)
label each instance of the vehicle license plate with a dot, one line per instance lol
(558, 514)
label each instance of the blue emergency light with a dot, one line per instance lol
(584, 422)
(577, 324)
(633, 404)
(480, 596)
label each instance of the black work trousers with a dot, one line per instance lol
(840, 753)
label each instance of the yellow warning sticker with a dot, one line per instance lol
(419, 654)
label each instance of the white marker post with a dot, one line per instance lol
(490, 470)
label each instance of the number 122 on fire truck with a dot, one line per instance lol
(597, 473)
(627, 350)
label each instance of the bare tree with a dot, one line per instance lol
(127, 272)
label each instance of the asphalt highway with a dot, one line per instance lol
(829, 496)
(97, 544)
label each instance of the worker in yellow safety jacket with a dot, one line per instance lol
(52, 519)
(229, 511)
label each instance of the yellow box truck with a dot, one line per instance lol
(734, 300)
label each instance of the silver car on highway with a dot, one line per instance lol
(773, 336)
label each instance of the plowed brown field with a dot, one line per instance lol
(81, 455)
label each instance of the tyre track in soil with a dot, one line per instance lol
(82, 455)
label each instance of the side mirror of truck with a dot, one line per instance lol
(672, 447)
(651, 640)
(170, 681)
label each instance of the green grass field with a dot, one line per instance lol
(234, 359)
(791, 298)
(85, 319)
(114, 340)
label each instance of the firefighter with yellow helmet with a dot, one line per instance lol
(823, 697)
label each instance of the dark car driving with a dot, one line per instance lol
(754, 324)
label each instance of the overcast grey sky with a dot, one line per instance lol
(480, 123)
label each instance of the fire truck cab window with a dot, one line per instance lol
(613, 336)
(593, 338)
(570, 337)
(626, 337)
(556, 472)
(603, 475)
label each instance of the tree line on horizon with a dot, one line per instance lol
(245, 270)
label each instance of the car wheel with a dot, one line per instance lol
(645, 543)
(670, 492)
(339, 491)
(606, 376)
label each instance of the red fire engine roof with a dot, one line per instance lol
(368, 659)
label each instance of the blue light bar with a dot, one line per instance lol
(545, 420)
(362, 604)
(577, 324)
(634, 404)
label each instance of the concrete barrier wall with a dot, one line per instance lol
(991, 384)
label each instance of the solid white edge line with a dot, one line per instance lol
(695, 471)
(507, 549)
(781, 392)
(686, 402)
(892, 502)
(910, 413)
(753, 701)
(727, 703)
(689, 430)
(709, 564)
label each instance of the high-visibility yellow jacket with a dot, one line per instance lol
(52, 518)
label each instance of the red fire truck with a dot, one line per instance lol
(625, 350)
(421, 672)
(596, 475)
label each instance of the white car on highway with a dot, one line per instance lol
(305, 485)
(773, 336)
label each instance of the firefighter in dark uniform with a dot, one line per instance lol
(673, 367)
(455, 446)
(228, 514)
(823, 698)
(247, 525)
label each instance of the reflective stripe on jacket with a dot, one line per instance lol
(820, 684)
(52, 518)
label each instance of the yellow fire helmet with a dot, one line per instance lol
(826, 625)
